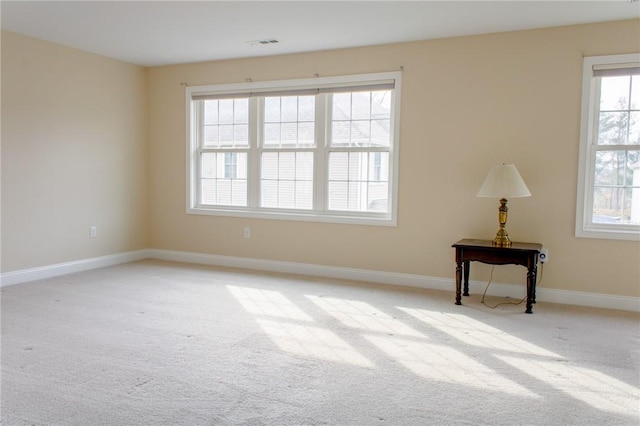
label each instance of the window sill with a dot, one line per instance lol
(630, 233)
(340, 218)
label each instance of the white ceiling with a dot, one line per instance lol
(153, 33)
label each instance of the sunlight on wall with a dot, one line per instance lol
(363, 316)
(593, 387)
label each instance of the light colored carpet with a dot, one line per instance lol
(159, 343)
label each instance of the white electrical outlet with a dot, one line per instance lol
(247, 233)
(93, 232)
(544, 255)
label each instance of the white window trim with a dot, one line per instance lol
(584, 227)
(361, 218)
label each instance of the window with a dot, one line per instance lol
(609, 169)
(322, 149)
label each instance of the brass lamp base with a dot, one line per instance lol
(502, 237)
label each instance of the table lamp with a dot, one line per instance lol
(503, 181)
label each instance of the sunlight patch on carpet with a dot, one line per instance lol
(363, 316)
(446, 364)
(590, 386)
(313, 342)
(476, 333)
(267, 302)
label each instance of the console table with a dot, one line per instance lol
(525, 254)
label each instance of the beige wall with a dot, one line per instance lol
(74, 154)
(467, 104)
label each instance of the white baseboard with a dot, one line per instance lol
(353, 274)
(515, 291)
(596, 300)
(43, 272)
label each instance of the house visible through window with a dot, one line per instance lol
(323, 149)
(609, 192)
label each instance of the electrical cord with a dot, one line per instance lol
(507, 303)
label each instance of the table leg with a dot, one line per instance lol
(531, 289)
(458, 282)
(467, 266)
(535, 281)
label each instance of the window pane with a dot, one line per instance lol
(286, 180)
(610, 168)
(286, 165)
(304, 194)
(238, 192)
(616, 193)
(271, 133)
(226, 123)
(306, 134)
(209, 194)
(226, 135)
(380, 132)
(270, 166)
(225, 111)
(288, 133)
(286, 194)
(361, 119)
(289, 108)
(240, 134)
(338, 166)
(358, 181)
(210, 113)
(381, 104)
(614, 93)
(272, 110)
(361, 105)
(208, 165)
(289, 121)
(618, 122)
(241, 111)
(360, 133)
(341, 106)
(340, 133)
(211, 135)
(338, 198)
(613, 128)
(223, 178)
(307, 108)
(269, 194)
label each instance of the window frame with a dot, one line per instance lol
(585, 227)
(321, 150)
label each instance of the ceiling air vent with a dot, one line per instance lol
(264, 42)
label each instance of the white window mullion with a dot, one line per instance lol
(255, 132)
(323, 132)
(197, 152)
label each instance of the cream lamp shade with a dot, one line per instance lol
(503, 181)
